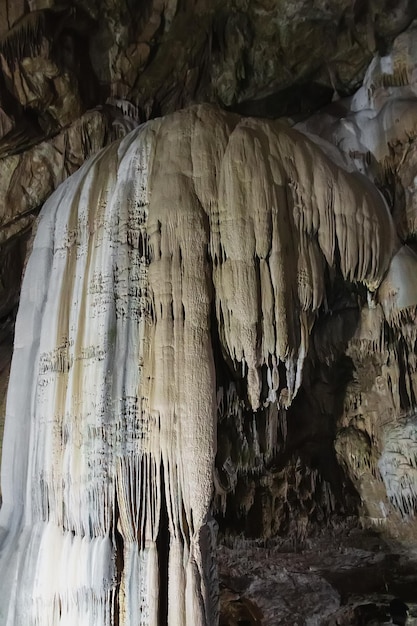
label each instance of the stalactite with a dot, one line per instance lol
(196, 212)
(312, 212)
(25, 38)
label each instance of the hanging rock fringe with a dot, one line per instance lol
(113, 352)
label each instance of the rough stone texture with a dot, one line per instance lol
(264, 58)
(33, 174)
(342, 577)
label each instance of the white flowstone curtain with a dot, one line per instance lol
(79, 431)
(111, 409)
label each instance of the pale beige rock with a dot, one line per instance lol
(376, 433)
(310, 210)
(406, 209)
(154, 246)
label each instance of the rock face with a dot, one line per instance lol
(155, 247)
(270, 265)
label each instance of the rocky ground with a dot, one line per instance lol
(343, 576)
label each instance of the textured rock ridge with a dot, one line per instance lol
(114, 341)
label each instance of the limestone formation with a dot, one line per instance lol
(190, 213)
(217, 321)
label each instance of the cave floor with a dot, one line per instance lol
(342, 576)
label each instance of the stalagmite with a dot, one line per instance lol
(376, 130)
(196, 220)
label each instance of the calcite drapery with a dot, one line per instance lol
(111, 412)
(376, 132)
